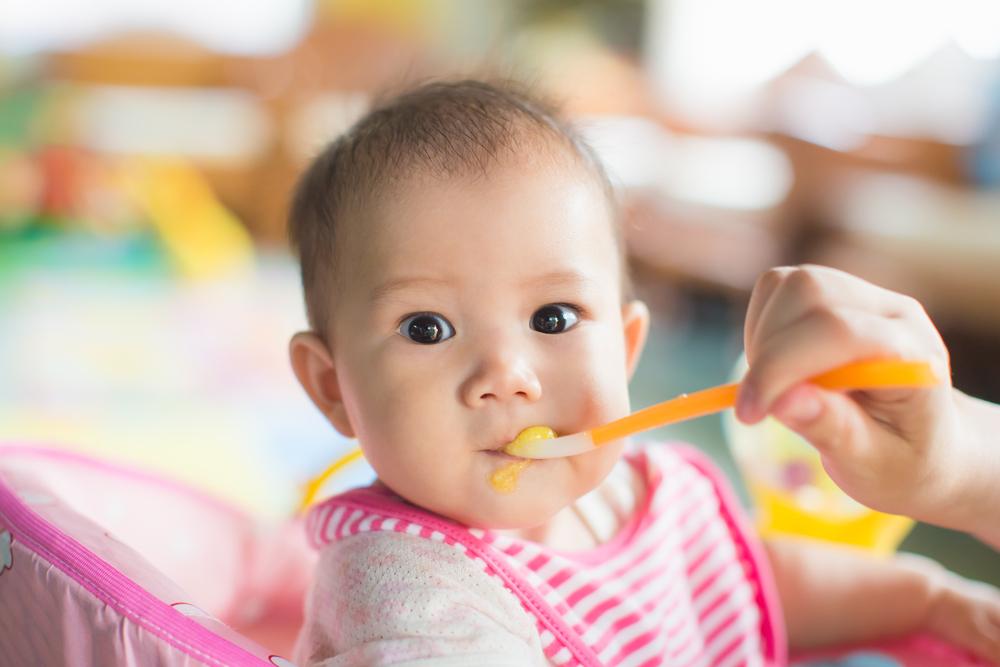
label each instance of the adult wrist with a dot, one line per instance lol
(975, 504)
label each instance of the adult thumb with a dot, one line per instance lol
(829, 420)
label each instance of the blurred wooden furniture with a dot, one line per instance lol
(347, 58)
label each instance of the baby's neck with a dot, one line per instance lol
(590, 521)
(593, 519)
(566, 531)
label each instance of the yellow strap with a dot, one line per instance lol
(313, 487)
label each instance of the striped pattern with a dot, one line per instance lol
(677, 586)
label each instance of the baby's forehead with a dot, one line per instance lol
(544, 200)
(508, 229)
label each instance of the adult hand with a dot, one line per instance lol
(902, 451)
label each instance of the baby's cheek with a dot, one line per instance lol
(389, 429)
(598, 401)
(602, 398)
(606, 378)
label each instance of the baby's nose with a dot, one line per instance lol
(502, 377)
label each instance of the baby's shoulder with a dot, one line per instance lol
(376, 585)
(390, 562)
(390, 554)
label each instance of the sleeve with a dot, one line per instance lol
(396, 599)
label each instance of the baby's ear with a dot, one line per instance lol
(314, 367)
(635, 321)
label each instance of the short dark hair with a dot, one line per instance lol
(443, 127)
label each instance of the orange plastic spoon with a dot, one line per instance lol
(880, 374)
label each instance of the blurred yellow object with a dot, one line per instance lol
(201, 236)
(792, 494)
(407, 16)
(781, 513)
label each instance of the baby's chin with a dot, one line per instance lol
(530, 498)
(515, 514)
(542, 490)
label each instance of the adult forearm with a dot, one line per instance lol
(835, 595)
(977, 502)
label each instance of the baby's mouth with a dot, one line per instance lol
(504, 477)
(531, 433)
(497, 450)
(500, 454)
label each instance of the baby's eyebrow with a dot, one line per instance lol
(386, 289)
(560, 278)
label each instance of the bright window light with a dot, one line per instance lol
(707, 53)
(869, 43)
(977, 27)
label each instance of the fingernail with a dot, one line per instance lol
(802, 409)
(746, 404)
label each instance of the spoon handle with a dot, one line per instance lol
(878, 374)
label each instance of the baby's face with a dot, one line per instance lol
(470, 309)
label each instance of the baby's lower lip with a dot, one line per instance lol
(500, 453)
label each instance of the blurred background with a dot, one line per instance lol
(147, 150)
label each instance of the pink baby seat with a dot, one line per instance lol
(102, 565)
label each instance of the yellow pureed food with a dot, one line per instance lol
(504, 480)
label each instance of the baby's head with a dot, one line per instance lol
(464, 280)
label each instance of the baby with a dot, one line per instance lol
(465, 279)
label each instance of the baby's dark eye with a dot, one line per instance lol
(555, 318)
(426, 328)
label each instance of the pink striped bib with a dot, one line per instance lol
(682, 583)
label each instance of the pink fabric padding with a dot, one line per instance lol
(75, 594)
(196, 540)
